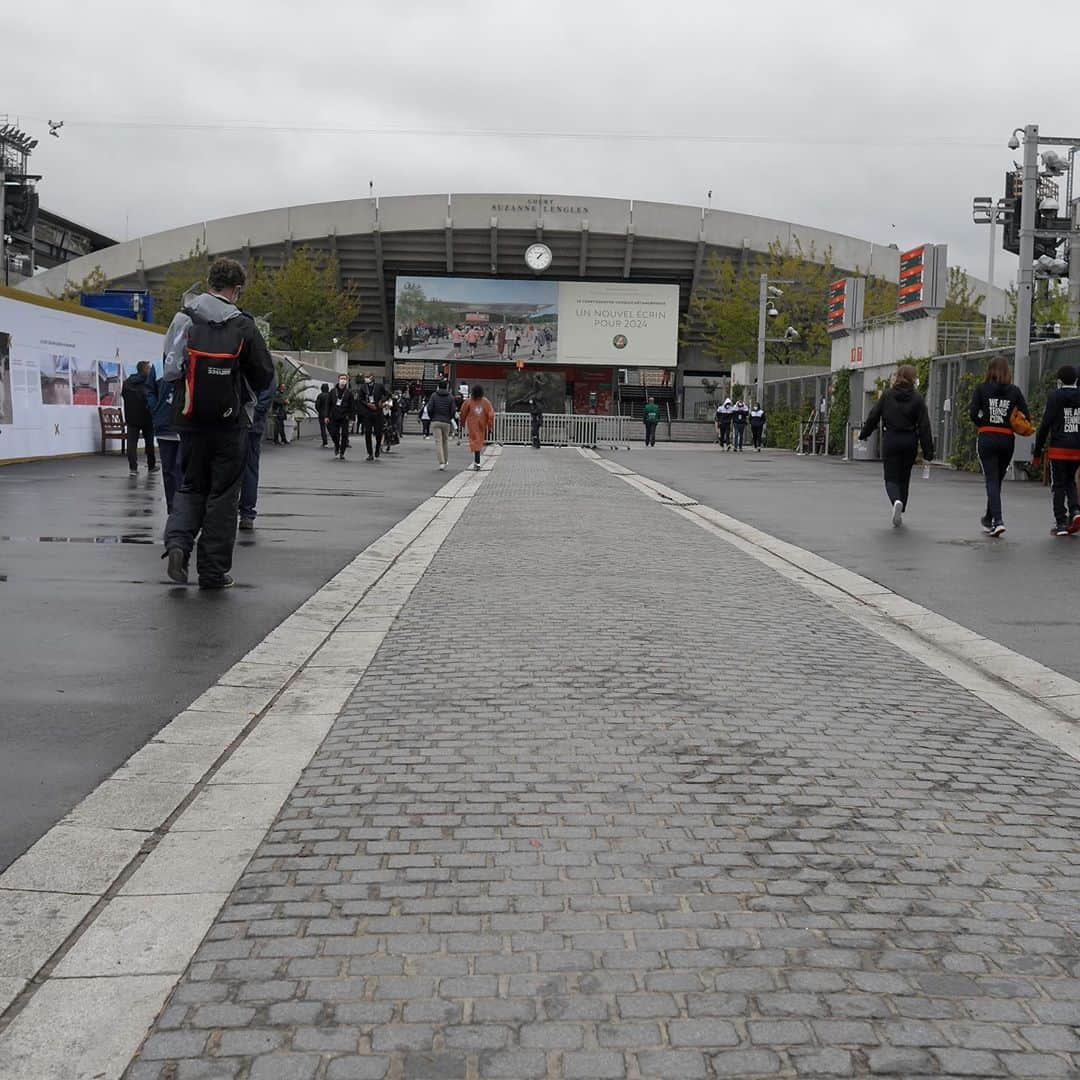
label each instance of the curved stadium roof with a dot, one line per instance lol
(375, 240)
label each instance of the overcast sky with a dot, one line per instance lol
(877, 119)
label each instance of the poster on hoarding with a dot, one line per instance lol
(612, 324)
(110, 379)
(84, 381)
(56, 380)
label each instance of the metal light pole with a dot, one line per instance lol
(1025, 278)
(985, 211)
(766, 291)
(763, 304)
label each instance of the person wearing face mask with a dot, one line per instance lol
(724, 415)
(372, 397)
(757, 425)
(901, 411)
(340, 407)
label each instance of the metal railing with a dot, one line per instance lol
(568, 429)
(813, 437)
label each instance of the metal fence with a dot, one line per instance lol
(813, 438)
(568, 429)
(948, 400)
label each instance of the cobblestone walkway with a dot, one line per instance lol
(615, 800)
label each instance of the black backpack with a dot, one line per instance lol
(211, 382)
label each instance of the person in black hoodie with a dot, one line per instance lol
(1060, 431)
(138, 418)
(340, 407)
(322, 410)
(901, 410)
(992, 406)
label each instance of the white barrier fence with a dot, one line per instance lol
(562, 429)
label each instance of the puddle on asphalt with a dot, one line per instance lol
(127, 538)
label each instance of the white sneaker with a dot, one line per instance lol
(897, 513)
(443, 466)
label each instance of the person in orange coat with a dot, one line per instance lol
(478, 418)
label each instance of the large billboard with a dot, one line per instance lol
(615, 324)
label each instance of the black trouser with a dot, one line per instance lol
(339, 432)
(756, 433)
(373, 433)
(995, 452)
(898, 450)
(146, 430)
(279, 431)
(650, 432)
(172, 469)
(206, 504)
(536, 425)
(1063, 488)
(725, 434)
(426, 425)
(740, 432)
(323, 427)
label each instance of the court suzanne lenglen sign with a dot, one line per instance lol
(615, 324)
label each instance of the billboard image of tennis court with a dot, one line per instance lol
(535, 321)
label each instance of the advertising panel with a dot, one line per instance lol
(536, 321)
(621, 324)
(55, 364)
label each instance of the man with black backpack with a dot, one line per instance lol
(219, 361)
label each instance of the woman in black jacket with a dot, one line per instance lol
(902, 413)
(992, 406)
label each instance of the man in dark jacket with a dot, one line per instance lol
(138, 418)
(280, 409)
(340, 410)
(441, 411)
(213, 445)
(322, 411)
(1060, 431)
(372, 396)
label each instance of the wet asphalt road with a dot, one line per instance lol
(1019, 590)
(98, 650)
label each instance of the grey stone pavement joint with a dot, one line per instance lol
(104, 912)
(613, 800)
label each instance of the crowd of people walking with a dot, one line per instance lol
(206, 418)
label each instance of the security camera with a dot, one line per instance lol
(772, 312)
(791, 333)
(774, 291)
(1014, 142)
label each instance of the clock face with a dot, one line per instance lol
(538, 256)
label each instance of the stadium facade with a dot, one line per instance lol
(376, 242)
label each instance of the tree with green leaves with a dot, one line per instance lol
(723, 314)
(962, 302)
(302, 300)
(94, 282)
(292, 385)
(187, 275)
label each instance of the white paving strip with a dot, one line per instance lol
(1038, 698)
(101, 916)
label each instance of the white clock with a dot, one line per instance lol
(538, 257)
